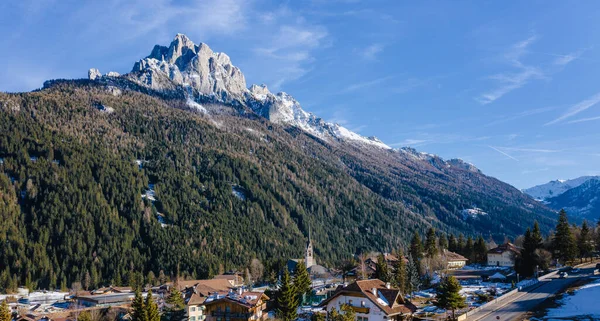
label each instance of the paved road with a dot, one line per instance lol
(514, 307)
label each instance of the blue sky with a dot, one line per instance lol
(510, 86)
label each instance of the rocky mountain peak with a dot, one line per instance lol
(206, 74)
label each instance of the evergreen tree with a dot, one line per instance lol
(443, 242)
(400, 273)
(536, 236)
(346, 314)
(416, 251)
(430, 243)
(138, 311)
(448, 295)
(176, 305)
(584, 242)
(381, 269)
(468, 251)
(5, 314)
(287, 299)
(564, 246)
(151, 308)
(525, 263)
(302, 281)
(460, 245)
(452, 244)
(414, 278)
(480, 250)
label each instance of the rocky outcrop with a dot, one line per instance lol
(94, 74)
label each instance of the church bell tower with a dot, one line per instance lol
(309, 258)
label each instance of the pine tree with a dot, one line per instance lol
(480, 250)
(5, 314)
(346, 314)
(443, 242)
(287, 299)
(452, 244)
(536, 235)
(430, 246)
(176, 311)
(416, 247)
(584, 242)
(151, 308)
(460, 245)
(302, 281)
(381, 269)
(414, 278)
(563, 244)
(400, 273)
(138, 311)
(468, 251)
(525, 263)
(448, 295)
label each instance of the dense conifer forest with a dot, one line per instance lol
(76, 158)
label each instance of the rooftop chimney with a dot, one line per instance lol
(374, 291)
(388, 285)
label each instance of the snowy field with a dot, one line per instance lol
(583, 304)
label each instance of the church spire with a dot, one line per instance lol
(309, 259)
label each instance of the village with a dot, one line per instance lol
(379, 286)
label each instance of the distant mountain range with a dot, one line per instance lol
(580, 197)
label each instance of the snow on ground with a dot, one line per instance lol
(238, 192)
(472, 212)
(194, 105)
(583, 302)
(149, 193)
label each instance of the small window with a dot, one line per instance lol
(363, 304)
(192, 318)
(365, 319)
(349, 302)
(193, 309)
(227, 309)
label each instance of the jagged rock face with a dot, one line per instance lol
(197, 66)
(94, 74)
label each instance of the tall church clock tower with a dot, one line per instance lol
(309, 258)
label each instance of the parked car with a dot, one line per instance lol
(598, 266)
(575, 271)
(563, 275)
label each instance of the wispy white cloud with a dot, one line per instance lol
(530, 150)
(290, 48)
(583, 120)
(562, 60)
(365, 84)
(523, 114)
(577, 108)
(370, 52)
(503, 153)
(510, 81)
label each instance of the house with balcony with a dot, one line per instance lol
(371, 300)
(196, 292)
(236, 306)
(503, 255)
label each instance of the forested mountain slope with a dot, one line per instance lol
(228, 188)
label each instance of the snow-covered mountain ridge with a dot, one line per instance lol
(556, 187)
(205, 74)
